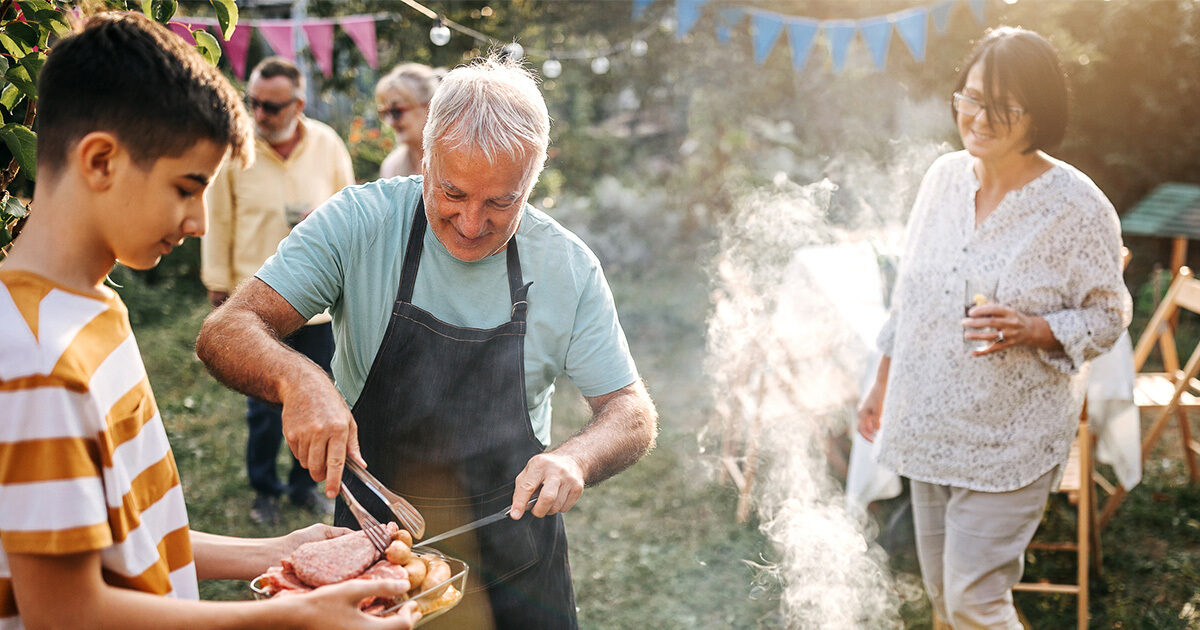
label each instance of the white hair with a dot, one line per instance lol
(491, 105)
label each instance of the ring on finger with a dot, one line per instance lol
(999, 336)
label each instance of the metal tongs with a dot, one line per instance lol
(407, 515)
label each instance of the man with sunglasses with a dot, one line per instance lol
(300, 163)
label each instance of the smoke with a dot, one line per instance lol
(797, 296)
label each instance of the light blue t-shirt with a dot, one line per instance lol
(347, 256)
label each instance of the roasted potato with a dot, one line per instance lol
(398, 552)
(416, 573)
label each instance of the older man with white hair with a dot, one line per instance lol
(455, 306)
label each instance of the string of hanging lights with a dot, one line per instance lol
(440, 35)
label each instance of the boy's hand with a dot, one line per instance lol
(336, 605)
(285, 545)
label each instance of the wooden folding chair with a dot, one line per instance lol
(1174, 391)
(1080, 493)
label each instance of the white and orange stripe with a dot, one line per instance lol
(84, 459)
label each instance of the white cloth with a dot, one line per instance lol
(997, 422)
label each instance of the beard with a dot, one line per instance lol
(281, 135)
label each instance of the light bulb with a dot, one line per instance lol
(638, 47)
(439, 34)
(514, 51)
(600, 65)
(551, 69)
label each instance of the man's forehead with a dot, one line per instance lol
(279, 84)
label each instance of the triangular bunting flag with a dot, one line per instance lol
(977, 7)
(767, 27)
(727, 18)
(877, 33)
(236, 49)
(911, 26)
(280, 37)
(941, 15)
(802, 33)
(839, 34)
(362, 30)
(320, 42)
(640, 6)
(687, 13)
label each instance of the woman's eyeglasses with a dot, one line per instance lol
(268, 107)
(970, 108)
(392, 113)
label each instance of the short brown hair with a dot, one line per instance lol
(272, 67)
(125, 74)
(1021, 62)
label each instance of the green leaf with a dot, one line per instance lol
(19, 76)
(208, 46)
(227, 16)
(22, 143)
(24, 32)
(54, 21)
(5, 236)
(11, 97)
(162, 10)
(14, 208)
(148, 7)
(31, 7)
(13, 46)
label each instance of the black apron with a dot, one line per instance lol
(442, 420)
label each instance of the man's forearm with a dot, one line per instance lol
(242, 351)
(623, 428)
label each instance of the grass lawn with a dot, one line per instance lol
(658, 546)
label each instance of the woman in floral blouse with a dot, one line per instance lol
(983, 434)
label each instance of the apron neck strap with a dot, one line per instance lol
(517, 290)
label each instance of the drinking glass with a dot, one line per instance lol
(978, 291)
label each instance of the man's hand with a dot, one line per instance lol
(217, 298)
(320, 430)
(561, 481)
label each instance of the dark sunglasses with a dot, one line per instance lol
(268, 107)
(392, 113)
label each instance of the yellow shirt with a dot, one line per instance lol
(84, 459)
(250, 211)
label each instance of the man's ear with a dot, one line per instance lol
(98, 155)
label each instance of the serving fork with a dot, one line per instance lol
(407, 515)
(376, 532)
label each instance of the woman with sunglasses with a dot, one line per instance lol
(983, 434)
(403, 97)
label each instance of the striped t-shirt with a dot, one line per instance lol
(84, 459)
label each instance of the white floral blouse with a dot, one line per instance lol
(997, 422)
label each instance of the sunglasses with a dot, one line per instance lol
(268, 107)
(392, 113)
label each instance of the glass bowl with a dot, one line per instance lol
(433, 600)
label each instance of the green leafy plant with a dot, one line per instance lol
(28, 29)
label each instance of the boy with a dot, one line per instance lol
(93, 528)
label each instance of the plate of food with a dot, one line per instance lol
(436, 580)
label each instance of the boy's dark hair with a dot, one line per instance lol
(272, 67)
(130, 76)
(1025, 64)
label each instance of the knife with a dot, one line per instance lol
(487, 520)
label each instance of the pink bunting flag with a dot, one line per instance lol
(320, 42)
(236, 48)
(361, 29)
(280, 37)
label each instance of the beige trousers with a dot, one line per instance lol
(971, 546)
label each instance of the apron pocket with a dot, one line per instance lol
(506, 548)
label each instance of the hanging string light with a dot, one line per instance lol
(513, 51)
(551, 69)
(440, 33)
(638, 47)
(600, 65)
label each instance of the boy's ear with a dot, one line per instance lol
(97, 155)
